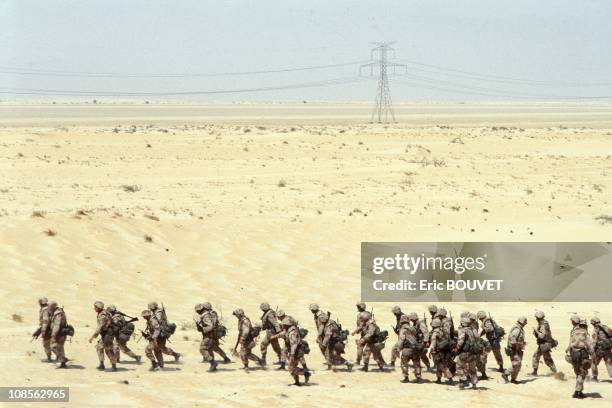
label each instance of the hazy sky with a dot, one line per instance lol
(548, 40)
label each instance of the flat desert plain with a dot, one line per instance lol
(240, 204)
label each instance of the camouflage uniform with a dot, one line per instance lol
(106, 336)
(602, 337)
(481, 360)
(440, 351)
(488, 329)
(466, 359)
(316, 312)
(545, 343)
(372, 346)
(423, 338)
(580, 349)
(410, 347)
(118, 321)
(515, 347)
(58, 322)
(295, 353)
(208, 321)
(332, 344)
(44, 319)
(396, 350)
(245, 339)
(361, 307)
(269, 323)
(160, 317)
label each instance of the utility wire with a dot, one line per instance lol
(59, 73)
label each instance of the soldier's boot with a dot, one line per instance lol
(281, 367)
(405, 380)
(595, 378)
(154, 366)
(392, 363)
(553, 368)
(118, 358)
(226, 360)
(296, 381)
(349, 366)
(450, 382)
(535, 372)
(513, 381)
(505, 376)
(501, 368)
(464, 384)
(161, 364)
(365, 367)
(329, 367)
(484, 376)
(381, 366)
(429, 369)
(63, 365)
(307, 375)
(261, 362)
(439, 380)
(177, 356)
(114, 367)
(578, 394)
(137, 358)
(49, 358)
(418, 380)
(101, 366)
(213, 366)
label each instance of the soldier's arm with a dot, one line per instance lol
(400, 339)
(460, 339)
(425, 332)
(541, 331)
(368, 333)
(99, 327)
(45, 322)
(487, 327)
(55, 326)
(434, 343)
(207, 324)
(156, 329)
(326, 338)
(274, 322)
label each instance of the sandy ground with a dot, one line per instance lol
(240, 214)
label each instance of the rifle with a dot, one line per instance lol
(452, 327)
(143, 334)
(36, 334)
(165, 317)
(395, 329)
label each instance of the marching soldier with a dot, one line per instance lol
(295, 352)
(247, 338)
(440, 352)
(481, 360)
(371, 341)
(409, 346)
(395, 350)
(316, 312)
(579, 353)
(159, 316)
(602, 338)
(488, 329)
(332, 343)
(289, 321)
(514, 349)
(44, 320)
(433, 310)
(545, 343)
(466, 355)
(118, 322)
(105, 331)
(58, 336)
(207, 323)
(361, 307)
(422, 337)
(270, 324)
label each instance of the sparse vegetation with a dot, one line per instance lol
(604, 219)
(38, 214)
(282, 183)
(130, 188)
(148, 238)
(50, 232)
(17, 318)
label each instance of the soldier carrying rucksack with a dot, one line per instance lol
(122, 330)
(207, 322)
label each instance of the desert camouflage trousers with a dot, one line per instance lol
(607, 359)
(275, 343)
(57, 347)
(374, 350)
(467, 367)
(209, 346)
(105, 345)
(408, 355)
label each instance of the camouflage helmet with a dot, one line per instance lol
(413, 316)
(361, 305)
(522, 320)
(404, 319)
(206, 306)
(464, 314)
(288, 322)
(481, 315)
(199, 307)
(442, 312)
(436, 323)
(146, 313)
(575, 319)
(539, 314)
(323, 317)
(583, 322)
(264, 306)
(43, 301)
(280, 314)
(365, 316)
(595, 320)
(432, 308)
(465, 321)
(111, 308)
(472, 317)
(313, 307)
(238, 312)
(98, 304)
(396, 310)
(52, 303)
(152, 306)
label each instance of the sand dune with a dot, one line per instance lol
(240, 214)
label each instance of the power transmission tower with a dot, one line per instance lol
(383, 107)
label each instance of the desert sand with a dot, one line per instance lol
(242, 204)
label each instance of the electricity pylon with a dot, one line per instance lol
(383, 107)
